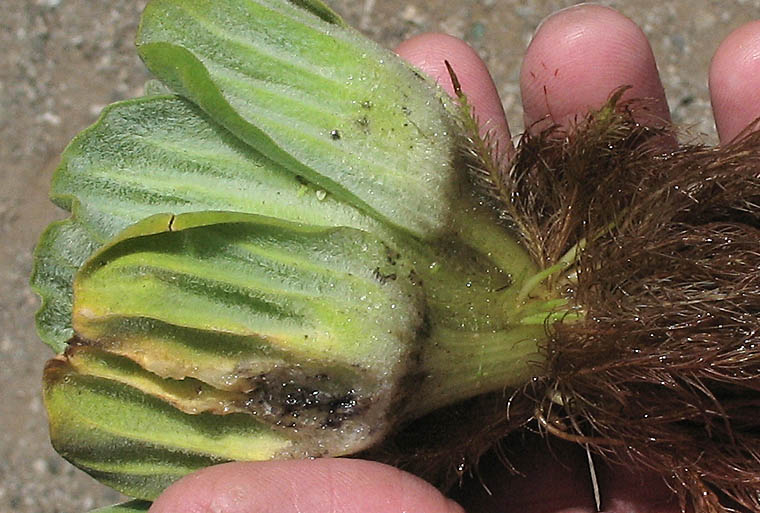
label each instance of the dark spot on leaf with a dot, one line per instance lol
(392, 256)
(383, 278)
(363, 123)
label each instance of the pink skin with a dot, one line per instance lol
(734, 73)
(576, 58)
(305, 486)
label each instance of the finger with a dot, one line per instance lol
(578, 56)
(552, 479)
(627, 490)
(429, 52)
(302, 486)
(735, 81)
(555, 478)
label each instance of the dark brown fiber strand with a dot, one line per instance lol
(663, 371)
(667, 360)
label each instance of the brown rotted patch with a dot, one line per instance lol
(294, 400)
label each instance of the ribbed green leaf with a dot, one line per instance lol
(266, 267)
(318, 98)
(186, 394)
(62, 249)
(135, 442)
(295, 338)
(287, 291)
(153, 155)
(162, 154)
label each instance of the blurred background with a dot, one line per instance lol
(62, 61)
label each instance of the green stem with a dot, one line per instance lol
(460, 365)
(531, 284)
(458, 361)
(477, 226)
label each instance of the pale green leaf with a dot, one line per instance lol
(295, 338)
(137, 443)
(152, 155)
(320, 99)
(289, 292)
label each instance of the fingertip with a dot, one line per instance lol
(200, 491)
(579, 56)
(302, 486)
(429, 52)
(735, 81)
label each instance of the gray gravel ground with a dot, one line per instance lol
(61, 61)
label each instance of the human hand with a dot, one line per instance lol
(577, 57)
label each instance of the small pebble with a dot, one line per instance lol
(50, 118)
(40, 466)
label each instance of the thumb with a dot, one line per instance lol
(303, 486)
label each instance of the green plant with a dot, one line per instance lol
(298, 246)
